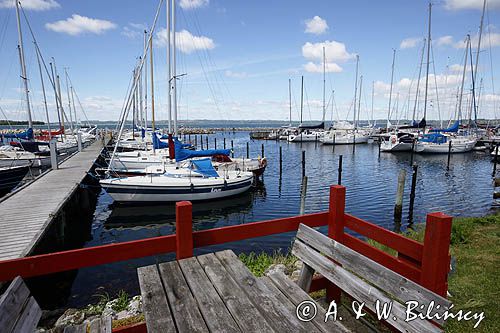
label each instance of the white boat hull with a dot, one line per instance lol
(456, 147)
(393, 147)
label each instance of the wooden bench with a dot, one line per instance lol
(18, 311)
(364, 280)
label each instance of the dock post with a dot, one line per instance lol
(53, 154)
(495, 161)
(195, 142)
(449, 156)
(354, 144)
(189, 138)
(303, 193)
(333, 146)
(339, 179)
(215, 143)
(303, 163)
(248, 151)
(79, 141)
(398, 206)
(232, 148)
(224, 142)
(201, 141)
(262, 150)
(184, 229)
(412, 193)
(281, 160)
(435, 256)
(379, 147)
(412, 151)
(336, 223)
(206, 140)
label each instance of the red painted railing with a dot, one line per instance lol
(426, 264)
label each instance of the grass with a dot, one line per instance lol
(474, 285)
(122, 300)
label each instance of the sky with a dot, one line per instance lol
(236, 58)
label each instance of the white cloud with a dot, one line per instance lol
(331, 67)
(456, 68)
(316, 25)
(31, 4)
(409, 43)
(470, 4)
(192, 4)
(444, 40)
(334, 51)
(186, 42)
(493, 37)
(133, 30)
(236, 75)
(77, 24)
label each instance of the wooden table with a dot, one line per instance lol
(217, 293)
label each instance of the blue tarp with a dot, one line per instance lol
(452, 128)
(205, 167)
(434, 138)
(26, 135)
(183, 154)
(158, 144)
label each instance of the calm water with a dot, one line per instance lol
(465, 190)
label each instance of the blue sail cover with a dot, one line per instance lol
(205, 167)
(158, 144)
(182, 154)
(434, 138)
(26, 135)
(452, 128)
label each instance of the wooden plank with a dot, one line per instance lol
(106, 324)
(305, 278)
(359, 289)
(246, 315)
(296, 295)
(212, 308)
(12, 303)
(184, 309)
(373, 272)
(155, 305)
(95, 326)
(82, 328)
(29, 318)
(278, 316)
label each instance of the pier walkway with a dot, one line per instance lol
(25, 215)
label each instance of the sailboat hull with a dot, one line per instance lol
(11, 177)
(456, 147)
(399, 146)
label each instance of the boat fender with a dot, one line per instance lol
(192, 187)
(263, 162)
(393, 140)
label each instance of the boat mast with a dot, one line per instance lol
(174, 74)
(152, 86)
(355, 90)
(169, 69)
(290, 99)
(373, 95)
(55, 93)
(69, 102)
(428, 56)
(477, 57)
(43, 90)
(463, 78)
(390, 92)
(145, 80)
(23, 65)
(418, 82)
(73, 102)
(473, 98)
(141, 100)
(324, 85)
(359, 101)
(301, 98)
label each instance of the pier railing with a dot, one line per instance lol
(425, 263)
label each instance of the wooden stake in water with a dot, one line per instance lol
(248, 151)
(232, 148)
(215, 143)
(449, 155)
(495, 162)
(412, 151)
(224, 142)
(303, 194)
(195, 142)
(206, 140)
(398, 207)
(339, 180)
(303, 163)
(262, 150)
(333, 146)
(412, 193)
(281, 160)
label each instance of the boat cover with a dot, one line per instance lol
(158, 144)
(452, 128)
(182, 154)
(205, 167)
(26, 135)
(434, 138)
(320, 126)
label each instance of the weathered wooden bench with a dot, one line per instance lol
(365, 281)
(97, 325)
(18, 311)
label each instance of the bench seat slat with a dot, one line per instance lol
(12, 303)
(29, 318)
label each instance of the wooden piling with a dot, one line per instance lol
(412, 151)
(449, 155)
(412, 193)
(224, 142)
(303, 193)
(495, 162)
(303, 163)
(206, 141)
(281, 160)
(248, 151)
(262, 151)
(354, 144)
(195, 142)
(339, 179)
(398, 206)
(215, 142)
(232, 148)
(333, 146)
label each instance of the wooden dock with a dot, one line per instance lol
(25, 215)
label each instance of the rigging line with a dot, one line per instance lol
(491, 63)
(79, 103)
(4, 28)
(12, 59)
(435, 84)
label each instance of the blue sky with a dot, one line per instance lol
(239, 55)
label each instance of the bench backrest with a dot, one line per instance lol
(365, 280)
(18, 311)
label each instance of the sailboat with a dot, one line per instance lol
(10, 177)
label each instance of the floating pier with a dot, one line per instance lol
(28, 213)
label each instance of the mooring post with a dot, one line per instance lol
(195, 141)
(206, 141)
(189, 138)
(303, 163)
(412, 193)
(303, 193)
(53, 154)
(281, 160)
(412, 151)
(334, 139)
(248, 151)
(224, 140)
(184, 229)
(215, 142)
(354, 144)
(398, 206)
(79, 141)
(336, 223)
(495, 162)
(449, 155)
(339, 179)
(262, 151)
(435, 255)
(232, 148)
(379, 146)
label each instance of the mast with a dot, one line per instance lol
(69, 102)
(324, 85)
(141, 100)
(390, 92)
(59, 98)
(290, 99)
(55, 93)
(23, 65)
(174, 74)
(152, 86)
(428, 56)
(463, 78)
(169, 69)
(145, 81)
(373, 97)
(477, 56)
(301, 99)
(73, 102)
(355, 90)
(43, 90)
(473, 99)
(418, 82)
(359, 101)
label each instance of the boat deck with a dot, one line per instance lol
(25, 215)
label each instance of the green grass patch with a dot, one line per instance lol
(258, 263)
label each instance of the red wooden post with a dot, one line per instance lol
(184, 229)
(435, 257)
(336, 222)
